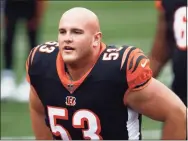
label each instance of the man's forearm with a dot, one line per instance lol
(174, 128)
(42, 132)
(40, 129)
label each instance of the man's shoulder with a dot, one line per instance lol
(125, 48)
(117, 54)
(42, 59)
(43, 53)
(126, 55)
(48, 47)
(118, 48)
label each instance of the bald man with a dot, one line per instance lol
(82, 88)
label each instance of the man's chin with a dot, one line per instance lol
(69, 60)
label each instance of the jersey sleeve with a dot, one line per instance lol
(36, 55)
(138, 71)
(29, 62)
(158, 5)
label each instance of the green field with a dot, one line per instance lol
(122, 22)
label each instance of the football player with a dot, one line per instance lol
(171, 43)
(82, 88)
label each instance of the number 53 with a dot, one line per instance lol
(77, 120)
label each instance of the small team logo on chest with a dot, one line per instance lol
(70, 101)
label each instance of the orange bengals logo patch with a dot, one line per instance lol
(70, 101)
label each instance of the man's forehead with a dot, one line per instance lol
(72, 23)
(75, 18)
(79, 18)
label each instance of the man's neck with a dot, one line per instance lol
(77, 71)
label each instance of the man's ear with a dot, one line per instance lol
(97, 39)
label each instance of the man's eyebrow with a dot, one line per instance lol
(61, 29)
(79, 29)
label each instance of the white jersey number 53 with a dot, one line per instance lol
(77, 120)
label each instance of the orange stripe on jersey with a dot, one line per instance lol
(158, 5)
(124, 56)
(134, 61)
(27, 66)
(63, 76)
(33, 54)
(29, 61)
(27, 75)
(132, 58)
(138, 70)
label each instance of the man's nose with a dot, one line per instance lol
(68, 38)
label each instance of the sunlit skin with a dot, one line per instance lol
(79, 40)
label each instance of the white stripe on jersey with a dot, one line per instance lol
(133, 125)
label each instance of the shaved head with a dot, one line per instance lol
(84, 15)
(79, 35)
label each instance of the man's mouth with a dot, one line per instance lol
(68, 48)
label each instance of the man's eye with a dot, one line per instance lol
(62, 32)
(77, 32)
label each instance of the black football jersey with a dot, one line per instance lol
(92, 107)
(176, 19)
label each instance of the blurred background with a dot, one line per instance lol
(122, 22)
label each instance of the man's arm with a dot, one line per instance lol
(160, 52)
(160, 103)
(41, 131)
(37, 113)
(150, 97)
